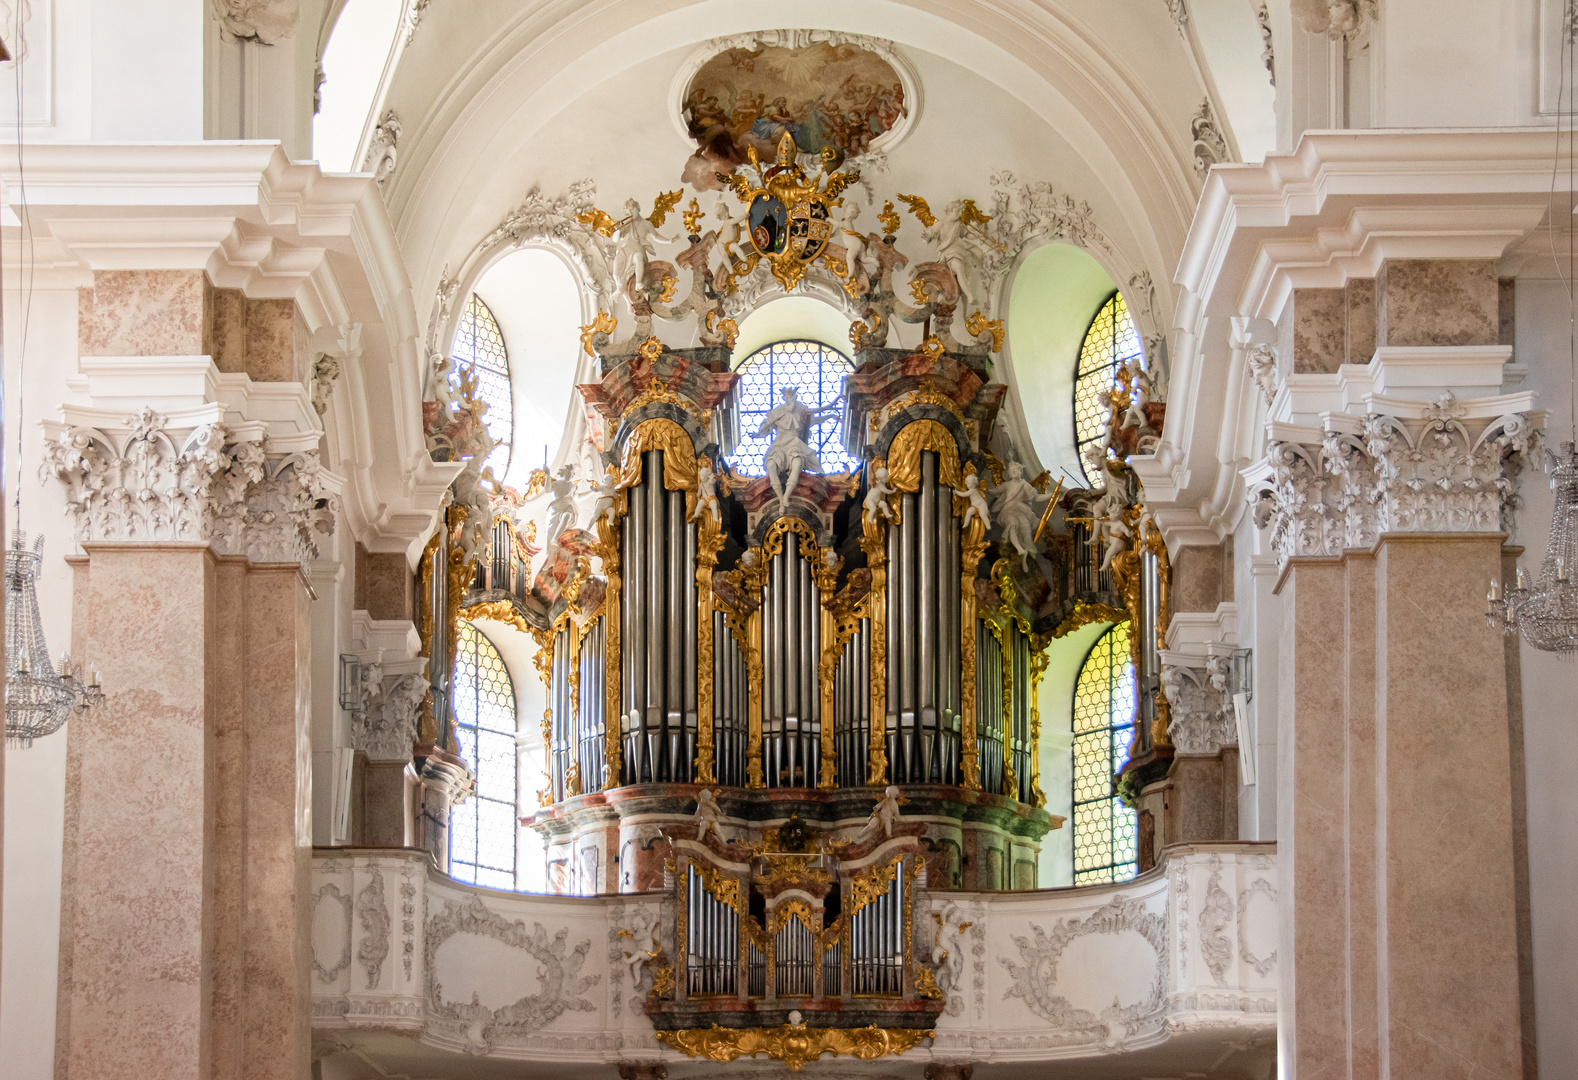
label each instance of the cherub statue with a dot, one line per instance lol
(637, 956)
(977, 507)
(1108, 520)
(607, 489)
(876, 503)
(636, 240)
(706, 493)
(886, 812)
(1095, 458)
(708, 816)
(1139, 396)
(726, 250)
(1015, 506)
(561, 511)
(789, 453)
(853, 239)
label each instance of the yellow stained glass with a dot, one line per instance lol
(1105, 831)
(479, 349)
(1110, 341)
(482, 830)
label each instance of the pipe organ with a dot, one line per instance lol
(793, 700)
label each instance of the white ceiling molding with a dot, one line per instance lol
(1336, 207)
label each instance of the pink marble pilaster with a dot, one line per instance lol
(1311, 811)
(135, 938)
(1446, 943)
(1361, 794)
(145, 313)
(276, 782)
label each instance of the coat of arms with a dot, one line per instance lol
(789, 219)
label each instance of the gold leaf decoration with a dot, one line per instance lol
(970, 214)
(918, 291)
(889, 218)
(693, 215)
(919, 208)
(599, 221)
(662, 205)
(978, 324)
(904, 455)
(602, 323)
(793, 1045)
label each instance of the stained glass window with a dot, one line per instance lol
(482, 829)
(1110, 341)
(817, 374)
(1105, 845)
(479, 349)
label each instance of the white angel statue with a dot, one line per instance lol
(708, 816)
(886, 812)
(606, 489)
(561, 511)
(1015, 506)
(637, 239)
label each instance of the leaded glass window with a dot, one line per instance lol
(479, 349)
(482, 829)
(1110, 342)
(817, 374)
(1105, 831)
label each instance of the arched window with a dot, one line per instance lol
(479, 348)
(1105, 831)
(482, 829)
(817, 373)
(1110, 341)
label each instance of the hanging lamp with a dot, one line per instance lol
(38, 700)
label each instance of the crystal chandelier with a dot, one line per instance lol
(1547, 614)
(37, 700)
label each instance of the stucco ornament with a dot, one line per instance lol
(1210, 147)
(1262, 361)
(385, 726)
(146, 481)
(558, 969)
(1036, 977)
(553, 218)
(383, 153)
(1200, 711)
(263, 21)
(1442, 472)
(1336, 19)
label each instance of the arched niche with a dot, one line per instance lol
(792, 317)
(1052, 296)
(536, 299)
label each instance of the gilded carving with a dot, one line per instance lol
(904, 468)
(793, 1045)
(972, 547)
(679, 454)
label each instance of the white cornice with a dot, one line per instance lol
(252, 220)
(1335, 208)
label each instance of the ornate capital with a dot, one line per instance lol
(150, 482)
(385, 727)
(1442, 471)
(261, 21)
(1201, 710)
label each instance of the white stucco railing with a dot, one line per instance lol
(1179, 965)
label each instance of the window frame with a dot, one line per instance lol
(1112, 732)
(476, 861)
(501, 369)
(831, 445)
(1109, 365)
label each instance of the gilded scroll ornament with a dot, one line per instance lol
(971, 549)
(793, 1045)
(979, 324)
(873, 541)
(602, 323)
(868, 887)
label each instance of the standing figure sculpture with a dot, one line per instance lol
(637, 240)
(853, 240)
(561, 511)
(790, 422)
(1015, 507)
(706, 493)
(958, 251)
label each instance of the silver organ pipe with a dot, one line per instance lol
(730, 718)
(633, 651)
(656, 538)
(926, 603)
(687, 574)
(712, 942)
(791, 651)
(674, 653)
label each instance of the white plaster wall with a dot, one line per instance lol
(1549, 689)
(35, 778)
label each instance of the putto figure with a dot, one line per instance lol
(977, 507)
(706, 493)
(789, 423)
(877, 504)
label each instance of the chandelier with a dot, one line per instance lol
(1547, 614)
(37, 700)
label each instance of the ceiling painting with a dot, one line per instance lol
(838, 97)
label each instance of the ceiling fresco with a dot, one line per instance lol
(836, 97)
